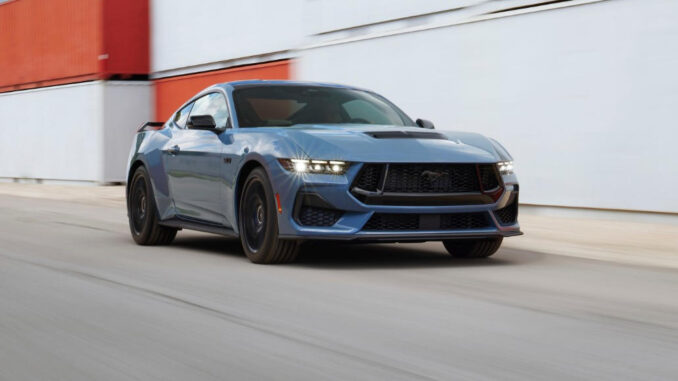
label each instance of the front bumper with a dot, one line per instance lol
(335, 190)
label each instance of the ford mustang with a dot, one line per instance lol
(277, 163)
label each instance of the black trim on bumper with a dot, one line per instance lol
(310, 209)
(405, 237)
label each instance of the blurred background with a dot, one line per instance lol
(583, 93)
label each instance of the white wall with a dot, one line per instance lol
(328, 15)
(188, 37)
(79, 132)
(127, 105)
(584, 97)
(52, 133)
(186, 33)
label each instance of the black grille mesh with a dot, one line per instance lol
(488, 176)
(383, 221)
(454, 221)
(508, 215)
(312, 216)
(402, 182)
(369, 177)
(432, 178)
(464, 221)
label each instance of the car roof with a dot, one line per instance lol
(259, 82)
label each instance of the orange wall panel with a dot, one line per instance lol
(64, 41)
(126, 38)
(170, 93)
(48, 40)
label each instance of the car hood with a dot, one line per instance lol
(369, 143)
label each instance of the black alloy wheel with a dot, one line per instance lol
(143, 215)
(254, 214)
(138, 203)
(473, 248)
(258, 223)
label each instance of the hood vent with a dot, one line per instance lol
(405, 135)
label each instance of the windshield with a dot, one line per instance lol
(285, 105)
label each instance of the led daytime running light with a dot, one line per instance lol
(505, 167)
(335, 167)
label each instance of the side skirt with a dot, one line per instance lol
(199, 225)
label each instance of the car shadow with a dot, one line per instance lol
(213, 244)
(380, 256)
(332, 255)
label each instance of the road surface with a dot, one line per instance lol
(80, 301)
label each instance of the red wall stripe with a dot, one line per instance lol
(170, 93)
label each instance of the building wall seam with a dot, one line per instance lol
(226, 64)
(439, 25)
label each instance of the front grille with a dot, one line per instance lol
(488, 176)
(404, 222)
(312, 216)
(432, 178)
(508, 215)
(428, 178)
(427, 184)
(369, 177)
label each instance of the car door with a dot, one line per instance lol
(194, 163)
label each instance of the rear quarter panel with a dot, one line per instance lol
(147, 149)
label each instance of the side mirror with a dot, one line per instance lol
(201, 122)
(423, 123)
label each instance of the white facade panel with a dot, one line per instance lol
(52, 133)
(127, 105)
(199, 32)
(583, 97)
(329, 15)
(79, 132)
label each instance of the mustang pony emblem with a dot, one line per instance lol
(432, 176)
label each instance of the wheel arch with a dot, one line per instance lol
(249, 164)
(134, 165)
(245, 171)
(132, 168)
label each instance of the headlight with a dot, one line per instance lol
(505, 167)
(334, 167)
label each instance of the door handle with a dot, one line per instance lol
(173, 150)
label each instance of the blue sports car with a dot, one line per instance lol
(277, 163)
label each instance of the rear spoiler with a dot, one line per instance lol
(151, 126)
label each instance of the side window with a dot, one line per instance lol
(181, 116)
(212, 104)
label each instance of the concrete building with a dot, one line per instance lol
(580, 91)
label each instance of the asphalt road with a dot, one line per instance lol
(80, 301)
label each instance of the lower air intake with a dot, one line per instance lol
(312, 216)
(413, 222)
(508, 215)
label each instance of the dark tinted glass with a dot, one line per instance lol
(262, 106)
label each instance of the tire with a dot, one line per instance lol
(258, 223)
(143, 214)
(473, 248)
